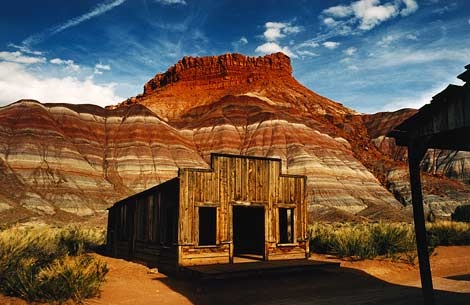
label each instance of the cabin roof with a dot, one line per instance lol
(443, 123)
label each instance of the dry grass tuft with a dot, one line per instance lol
(48, 264)
(394, 240)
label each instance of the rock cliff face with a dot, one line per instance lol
(66, 160)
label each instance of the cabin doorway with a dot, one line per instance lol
(248, 232)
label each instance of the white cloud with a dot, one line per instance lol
(339, 11)
(97, 11)
(350, 51)
(272, 47)
(386, 40)
(367, 14)
(274, 31)
(68, 63)
(353, 68)
(330, 21)
(411, 37)
(371, 13)
(100, 67)
(410, 7)
(277, 30)
(240, 42)
(16, 82)
(171, 2)
(18, 57)
(331, 44)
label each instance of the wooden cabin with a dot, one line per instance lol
(242, 206)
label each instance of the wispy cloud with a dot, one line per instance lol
(25, 49)
(305, 53)
(331, 44)
(68, 63)
(99, 68)
(97, 11)
(18, 57)
(350, 51)
(239, 43)
(171, 2)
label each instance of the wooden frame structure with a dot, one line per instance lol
(241, 206)
(442, 124)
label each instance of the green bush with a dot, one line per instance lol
(50, 264)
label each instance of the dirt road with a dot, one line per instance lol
(363, 282)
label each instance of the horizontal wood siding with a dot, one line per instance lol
(191, 256)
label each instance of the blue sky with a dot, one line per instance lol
(371, 55)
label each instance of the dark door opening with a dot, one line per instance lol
(248, 231)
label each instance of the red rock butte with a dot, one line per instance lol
(199, 81)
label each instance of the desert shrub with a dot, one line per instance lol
(71, 277)
(395, 240)
(353, 242)
(361, 241)
(50, 264)
(391, 238)
(448, 233)
(321, 238)
(76, 240)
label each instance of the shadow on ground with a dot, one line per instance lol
(339, 286)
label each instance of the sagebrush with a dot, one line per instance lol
(48, 264)
(395, 240)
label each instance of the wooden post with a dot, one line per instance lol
(416, 152)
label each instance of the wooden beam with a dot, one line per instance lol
(416, 151)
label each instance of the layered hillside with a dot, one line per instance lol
(63, 161)
(446, 174)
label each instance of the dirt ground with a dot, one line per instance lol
(361, 282)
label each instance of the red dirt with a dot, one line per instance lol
(359, 282)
